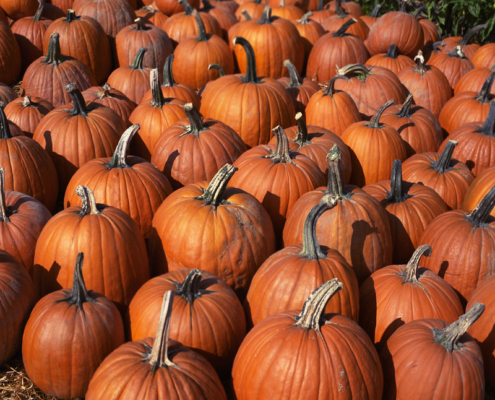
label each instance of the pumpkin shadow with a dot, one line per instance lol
(393, 326)
(488, 349)
(45, 280)
(271, 203)
(168, 169)
(360, 230)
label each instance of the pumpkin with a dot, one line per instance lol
(320, 13)
(410, 208)
(116, 252)
(335, 22)
(7, 94)
(229, 5)
(73, 329)
(13, 128)
(484, 56)
(371, 19)
(252, 8)
(21, 220)
(151, 15)
(417, 126)
(27, 113)
(332, 109)
(244, 236)
(473, 80)
(431, 32)
(391, 60)
(315, 143)
(47, 76)
(193, 56)
(225, 16)
(154, 117)
(398, 294)
(370, 87)
(259, 96)
(476, 140)
(62, 5)
(194, 149)
(18, 299)
(156, 368)
(367, 139)
(207, 316)
(111, 98)
(298, 88)
(10, 56)
(348, 5)
(449, 177)
(482, 330)
(134, 80)
(29, 33)
(171, 7)
(286, 279)
(440, 356)
(310, 32)
(333, 49)
(429, 86)
(172, 89)
(19, 8)
(83, 38)
(127, 183)
(29, 168)
(221, 73)
(463, 42)
(357, 227)
(287, 11)
(461, 240)
(478, 189)
(52, 12)
(453, 64)
(133, 37)
(310, 338)
(432, 51)
(399, 28)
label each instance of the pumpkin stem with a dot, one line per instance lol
(339, 10)
(246, 15)
(330, 89)
(4, 211)
(266, 16)
(305, 18)
(442, 165)
(78, 102)
(156, 90)
(418, 11)
(120, 153)
(342, 30)
(436, 45)
(360, 70)
(449, 337)
(302, 131)
(257, 1)
(282, 149)
(189, 289)
(159, 353)
(487, 128)
(396, 194)
(335, 185)
(479, 216)
(375, 121)
(420, 63)
(54, 54)
(207, 6)
(485, 95)
(71, 16)
(88, 206)
(320, 5)
(168, 78)
(470, 33)
(202, 35)
(219, 68)
(314, 306)
(187, 7)
(375, 11)
(282, 3)
(250, 76)
(457, 52)
(27, 101)
(311, 248)
(4, 124)
(39, 11)
(79, 294)
(402, 6)
(295, 78)
(195, 120)
(140, 25)
(213, 195)
(138, 60)
(392, 51)
(405, 111)
(410, 273)
(105, 91)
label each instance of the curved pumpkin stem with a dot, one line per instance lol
(311, 248)
(78, 102)
(302, 131)
(485, 95)
(487, 128)
(442, 165)
(250, 76)
(469, 34)
(418, 11)
(246, 15)
(213, 194)
(405, 111)
(266, 17)
(282, 149)
(105, 91)
(397, 194)
(54, 53)
(314, 306)
(481, 213)
(392, 51)
(168, 77)
(335, 185)
(410, 273)
(39, 11)
(330, 89)
(4, 212)
(360, 70)
(219, 68)
(342, 30)
(375, 121)
(158, 357)
(187, 7)
(195, 120)
(375, 11)
(79, 294)
(88, 201)
(305, 18)
(189, 289)
(449, 337)
(202, 35)
(156, 90)
(339, 10)
(295, 78)
(138, 60)
(5, 132)
(120, 153)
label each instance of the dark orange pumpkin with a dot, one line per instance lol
(286, 11)
(478, 189)
(27, 113)
(19, 8)
(10, 56)
(224, 15)
(484, 56)
(252, 8)
(111, 98)
(75, 329)
(320, 13)
(7, 94)
(453, 64)
(398, 294)
(348, 5)
(310, 32)
(335, 22)
(430, 29)
(391, 60)
(152, 15)
(171, 7)
(473, 80)
(468, 49)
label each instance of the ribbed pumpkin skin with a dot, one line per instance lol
(451, 185)
(134, 83)
(189, 158)
(10, 55)
(357, 227)
(350, 6)
(396, 28)
(286, 279)
(478, 189)
(393, 64)
(484, 56)
(192, 378)
(461, 252)
(301, 95)
(483, 328)
(116, 262)
(170, 7)
(375, 90)
(18, 299)
(75, 341)
(335, 22)
(183, 227)
(19, 8)
(224, 15)
(27, 117)
(452, 67)
(430, 31)
(182, 26)
(310, 32)
(387, 302)
(331, 369)
(426, 370)
(473, 81)
(408, 218)
(115, 99)
(213, 325)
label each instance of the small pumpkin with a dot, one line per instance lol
(111, 98)
(152, 15)
(391, 59)
(252, 9)
(453, 64)
(335, 22)
(310, 32)
(223, 14)
(287, 11)
(171, 7)
(320, 13)
(27, 112)
(468, 49)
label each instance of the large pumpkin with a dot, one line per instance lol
(19, 8)
(463, 41)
